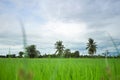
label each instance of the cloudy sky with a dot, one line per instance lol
(47, 21)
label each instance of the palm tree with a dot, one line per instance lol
(60, 48)
(91, 46)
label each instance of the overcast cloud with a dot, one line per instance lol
(47, 21)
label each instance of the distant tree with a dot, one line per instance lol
(11, 56)
(60, 48)
(32, 52)
(76, 54)
(53, 56)
(91, 46)
(67, 53)
(2, 56)
(21, 54)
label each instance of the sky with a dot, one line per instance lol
(48, 21)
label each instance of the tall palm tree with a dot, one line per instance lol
(60, 48)
(91, 46)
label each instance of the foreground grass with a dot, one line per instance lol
(59, 69)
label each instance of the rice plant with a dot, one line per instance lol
(59, 69)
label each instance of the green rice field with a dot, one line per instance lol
(59, 69)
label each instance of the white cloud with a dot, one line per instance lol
(57, 29)
(66, 29)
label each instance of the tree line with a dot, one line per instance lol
(32, 52)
